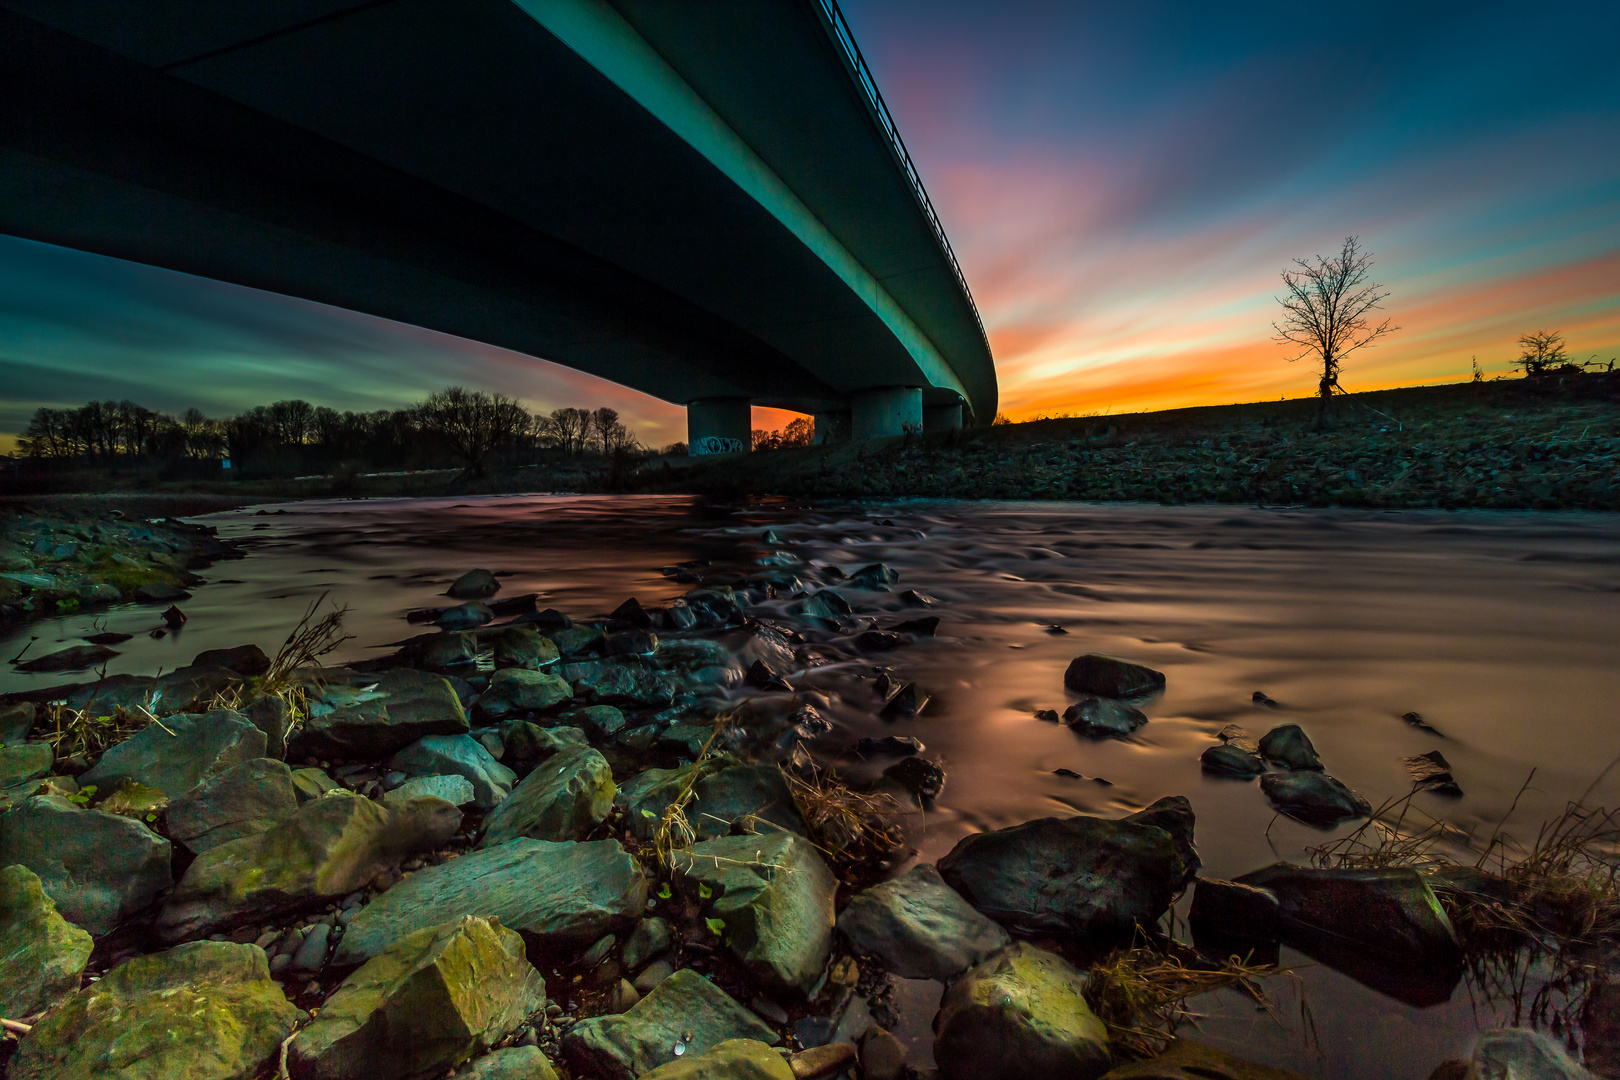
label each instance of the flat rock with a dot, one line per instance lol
(458, 755)
(775, 896)
(1184, 1059)
(1392, 912)
(404, 706)
(564, 798)
(455, 790)
(99, 868)
(160, 592)
(42, 955)
(561, 895)
(203, 1011)
(734, 1059)
(684, 1010)
(1108, 677)
(312, 783)
(432, 999)
(918, 927)
(1290, 747)
(72, 658)
(1101, 718)
(1019, 1014)
(521, 689)
(180, 753)
(1314, 798)
(243, 800)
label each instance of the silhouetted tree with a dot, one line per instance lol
(1326, 313)
(472, 423)
(1543, 351)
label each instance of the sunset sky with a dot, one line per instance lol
(1122, 184)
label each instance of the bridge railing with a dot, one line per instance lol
(863, 76)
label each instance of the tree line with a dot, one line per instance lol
(470, 427)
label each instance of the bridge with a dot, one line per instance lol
(706, 200)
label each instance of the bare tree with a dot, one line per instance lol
(1327, 313)
(472, 423)
(1543, 351)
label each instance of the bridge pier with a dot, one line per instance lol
(942, 417)
(891, 410)
(831, 427)
(718, 426)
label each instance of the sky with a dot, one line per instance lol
(1122, 184)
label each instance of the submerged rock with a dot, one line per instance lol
(1290, 747)
(923, 778)
(464, 617)
(558, 895)
(1314, 798)
(685, 1010)
(42, 955)
(203, 1011)
(432, 999)
(243, 800)
(72, 658)
(1103, 717)
(1107, 677)
(180, 753)
(1432, 772)
(562, 799)
(918, 927)
(1392, 912)
(734, 1059)
(474, 585)
(1019, 1014)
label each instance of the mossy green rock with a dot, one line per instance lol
(42, 955)
(432, 999)
(99, 868)
(311, 783)
(24, 763)
(734, 1059)
(565, 797)
(401, 708)
(1019, 1014)
(180, 753)
(775, 896)
(520, 688)
(514, 1063)
(244, 800)
(332, 846)
(684, 1009)
(203, 1011)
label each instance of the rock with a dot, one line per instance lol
(655, 973)
(632, 643)
(775, 896)
(620, 679)
(458, 755)
(645, 796)
(464, 617)
(1290, 747)
(907, 700)
(896, 745)
(16, 721)
(99, 868)
(598, 952)
(1432, 772)
(24, 762)
(1075, 875)
(651, 939)
(1103, 717)
(244, 659)
(474, 585)
(1174, 814)
(312, 784)
(562, 896)
(173, 617)
(272, 715)
(42, 955)
(331, 847)
(203, 1011)
(918, 927)
(1227, 909)
(754, 794)
(450, 649)
(455, 790)
(630, 615)
(519, 688)
(181, 753)
(431, 999)
(531, 742)
(599, 722)
(72, 658)
(1107, 677)
(1314, 798)
(160, 592)
(130, 799)
(1019, 1014)
(1522, 1054)
(876, 577)
(513, 1063)
(1184, 1059)
(734, 1059)
(524, 647)
(408, 706)
(1225, 759)
(243, 800)
(923, 778)
(623, 998)
(562, 799)
(311, 955)
(576, 640)
(685, 1010)
(883, 1057)
(1392, 912)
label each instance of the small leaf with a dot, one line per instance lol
(663, 891)
(704, 891)
(716, 926)
(151, 817)
(647, 813)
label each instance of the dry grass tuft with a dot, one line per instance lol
(846, 825)
(310, 640)
(674, 832)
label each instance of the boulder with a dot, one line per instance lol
(244, 659)
(562, 799)
(23, 763)
(1225, 759)
(918, 927)
(1101, 718)
(458, 755)
(331, 847)
(1184, 1059)
(756, 794)
(559, 895)
(180, 753)
(1073, 875)
(1019, 1014)
(775, 896)
(243, 800)
(1392, 912)
(685, 1010)
(525, 741)
(734, 1059)
(1314, 798)
(652, 939)
(1290, 747)
(203, 1011)
(513, 1063)
(474, 585)
(99, 868)
(524, 647)
(430, 1000)
(1174, 814)
(1104, 676)
(923, 778)
(468, 616)
(404, 706)
(42, 955)
(522, 689)
(455, 790)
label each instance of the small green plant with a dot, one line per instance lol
(83, 796)
(704, 891)
(664, 892)
(716, 926)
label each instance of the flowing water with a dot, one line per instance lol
(1500, 629)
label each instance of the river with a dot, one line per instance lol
(1500, 629)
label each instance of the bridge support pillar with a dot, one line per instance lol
(942, 417)
(892, 410)
(718, 426)
(831, 427)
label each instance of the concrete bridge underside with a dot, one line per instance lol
(699, 199)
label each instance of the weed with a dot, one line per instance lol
(845, 825)
(308, 642)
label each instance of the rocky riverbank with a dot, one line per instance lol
(528, 845)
